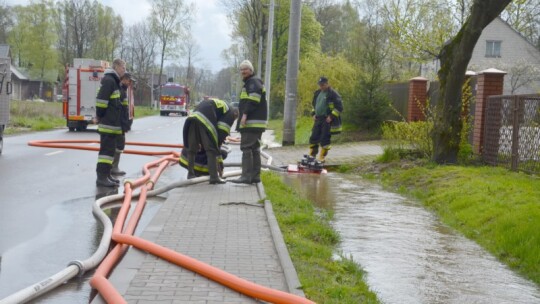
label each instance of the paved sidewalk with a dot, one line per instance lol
(227, 226)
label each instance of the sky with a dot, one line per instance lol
(210, 26)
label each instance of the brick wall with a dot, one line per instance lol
(490, 82)
(417, 99)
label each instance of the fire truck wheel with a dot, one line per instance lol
(71, 129)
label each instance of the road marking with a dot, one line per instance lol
(54, 153)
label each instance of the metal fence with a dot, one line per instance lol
(512, 132)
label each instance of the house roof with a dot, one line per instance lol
(515, 31)
(17, 73)
(4, 51)
(23, 74)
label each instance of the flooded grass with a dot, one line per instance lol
(496, 208)
(312, 242)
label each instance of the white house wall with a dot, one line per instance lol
(514, 50)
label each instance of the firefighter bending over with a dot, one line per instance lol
(201, 161)
(109, 112)
(327, 108)
(206, 129)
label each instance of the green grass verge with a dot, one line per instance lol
(40, 116)
(311, 242)
(141, 111)
(34, 116)
(303, 132)
(496, 208)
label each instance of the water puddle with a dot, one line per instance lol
(72, 233)
(409, 256)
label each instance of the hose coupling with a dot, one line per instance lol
(80, 265)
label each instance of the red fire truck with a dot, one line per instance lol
(79, 91)
(174, 98)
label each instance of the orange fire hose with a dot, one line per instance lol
(124, 237)
(68, 144)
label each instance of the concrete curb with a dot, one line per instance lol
(291, 276)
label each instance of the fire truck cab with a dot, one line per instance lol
(174, 98)
(79, 91)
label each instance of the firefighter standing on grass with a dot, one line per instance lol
(327, 108)
(109, 112)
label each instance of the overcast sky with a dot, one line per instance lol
(210, 26)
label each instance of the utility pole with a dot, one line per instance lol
(259, 57)
(268, 68)
(291, 87)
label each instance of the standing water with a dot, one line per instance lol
(408, 255)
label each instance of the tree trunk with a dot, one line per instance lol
(455, 57)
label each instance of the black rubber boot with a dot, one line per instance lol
(114, 180)
(256, 172)
(104, 181)
(116, 160)
(191, 166)
(213, 171)
(313, 150)
(247, 168)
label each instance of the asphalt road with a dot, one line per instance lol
(46, 197)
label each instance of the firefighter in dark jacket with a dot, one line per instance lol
(125, 83)
(327, 108)
(253, 118)
(206, 129)
(109, 113)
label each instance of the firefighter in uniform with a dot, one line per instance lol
(327, 108)
(201, 161)
(206, 129)
(109, 112)
(253, 118)
(125, 83)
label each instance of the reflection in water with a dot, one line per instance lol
(408, 255)
(72, 233)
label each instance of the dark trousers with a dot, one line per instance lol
(107, 148)
(320, 133)
(198, 138)
(120, 143)
(250, 144)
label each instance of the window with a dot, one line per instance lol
(493, 48)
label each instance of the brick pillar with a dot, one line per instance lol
(417, 99)
(490, 82)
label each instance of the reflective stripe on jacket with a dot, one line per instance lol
(109, 104)
(334, 108)
(216, 116)
(253, 103)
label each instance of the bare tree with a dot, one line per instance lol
(6, 22)
(249, 23)
(455, 57)
(169, 19)
(190, 49)
(521, 74)
(524, 17)
(81, 20)
(141, 46)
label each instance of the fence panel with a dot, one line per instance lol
(503, 146)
